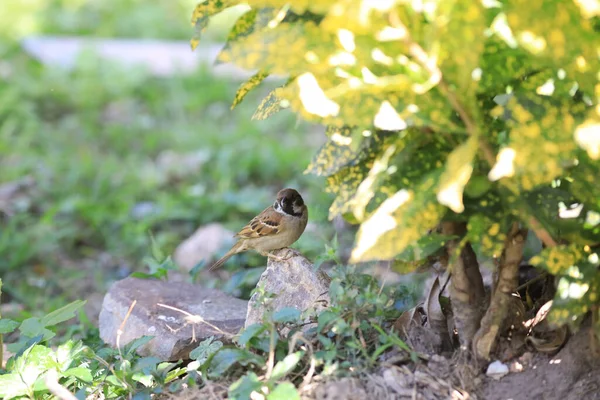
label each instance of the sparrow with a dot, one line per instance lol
(276, 227)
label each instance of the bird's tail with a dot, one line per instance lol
(234, 250)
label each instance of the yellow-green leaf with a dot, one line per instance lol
(558, 259)
(459, 28)
(542, 118)
(578, 289)
(202, 14)
(557, 35)
(399, 221)
(250, 22)
(339, 151)
(298, 6)
(487, 234)
(247, 86)
(270, 105)
(282, 49)
(365, 177)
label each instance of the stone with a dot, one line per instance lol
(16, 195)
(173, 330)
(204, 244)
(497, 370)
(345, 389)
(294, 282)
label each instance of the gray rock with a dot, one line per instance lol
(202, 245)
(16, 195)
(173, 331)
(143, 209)
(294, 282)
(497, 370)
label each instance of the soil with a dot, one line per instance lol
(573, 373)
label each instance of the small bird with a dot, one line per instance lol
(276, 227)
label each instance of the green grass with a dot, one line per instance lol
(117, 155)
(92, 139)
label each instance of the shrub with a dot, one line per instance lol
(465, 125)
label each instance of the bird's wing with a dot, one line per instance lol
(266, 223)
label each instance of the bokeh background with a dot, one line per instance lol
(98, 155)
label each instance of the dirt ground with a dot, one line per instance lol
(571, 374)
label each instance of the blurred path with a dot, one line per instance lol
(159, 57)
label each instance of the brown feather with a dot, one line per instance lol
(264, 224)
(237, 248)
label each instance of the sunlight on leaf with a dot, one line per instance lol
(504, 166)
(379, 223)
(459, 168)
(388, 119)
(313, 98)
(587, 136)
(589, 8)
(399, 221)
(571, 290)
(346, 38)
(366, 189)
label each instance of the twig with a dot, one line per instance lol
(195, 319)
(271, 359)
(541, 276)
(311, 369)
(120, 330)
(112, 370)
(362, 339)
(384, 280)
(429, 64)
(56, 388)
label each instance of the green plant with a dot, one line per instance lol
(159, 265)
(112, 154)
(277, 357)
(477, 120)
(38, 369)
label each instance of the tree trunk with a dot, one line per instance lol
(493, 322)
(466, 290)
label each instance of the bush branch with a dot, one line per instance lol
(429, 64)
(494, 321)
(466, 289)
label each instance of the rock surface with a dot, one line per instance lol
(172, 329)
(15, 195)
(294, 283)
(202, 245)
